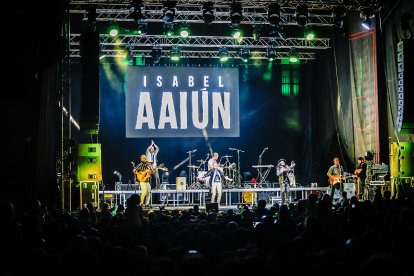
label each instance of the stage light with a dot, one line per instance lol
(256, 32)
(136, 9)
(184, 30)
(271, 54)
(156, 54)
(118, 175)
(223, 54)
(113, 29)
(142, 28)
(309, 33)
(235, 31)
(175, 54)
(245, 54)
(367, 14)
(92, 18)
(339, 14)
(129, 57)
(302, 15)
(293, 55)
(236, 13)
(168, 29)
(168, 11)
(273, 15)
(208, 12)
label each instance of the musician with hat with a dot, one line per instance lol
(282, 172)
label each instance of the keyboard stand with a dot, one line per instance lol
(263, 174)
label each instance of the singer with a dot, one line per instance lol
(282, 172)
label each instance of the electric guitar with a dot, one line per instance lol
(334, 179)
(145, 175)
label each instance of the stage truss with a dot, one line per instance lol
(254, 13)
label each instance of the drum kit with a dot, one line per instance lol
(201, 176)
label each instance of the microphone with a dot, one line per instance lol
(191, 151)
(232, 149)
(266, 148)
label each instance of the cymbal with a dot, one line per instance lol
(227, 156)
(192, 166)
(200, 160)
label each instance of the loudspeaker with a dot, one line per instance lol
(89, 192)
(405, 69)
(181, 183)
(89, 162)
(89, 110)
(402, 159)
(212, 207)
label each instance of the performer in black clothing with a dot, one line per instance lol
(361, 172)
(282, 172)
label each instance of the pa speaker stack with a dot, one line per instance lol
(405, 71)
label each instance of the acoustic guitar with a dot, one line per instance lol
(145, 175)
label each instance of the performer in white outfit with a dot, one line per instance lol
(216, 175)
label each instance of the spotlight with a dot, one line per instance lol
(367, 14)
(271, 54)
(142, 28)
(169, 11)
(184, 30)
(235, 31)
(339, 14)
(309, 33)
(208, 12)
(273, 15)
(113, 29)
(129, 57)
(245, 54)
(92, 18)
(256, 32)
(302, 15)
(277, 31)
(223, 54)
(175, 54)
(156, 54)
(236, 12)
(293, 55)
(168, 29)
(136, 9)
(119, 176)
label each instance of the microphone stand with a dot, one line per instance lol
(190, 169)
(259, 178)
(238, 164)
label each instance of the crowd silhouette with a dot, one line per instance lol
(312, 237)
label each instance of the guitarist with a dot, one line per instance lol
(151, 155)
(335, 174)
(143, 173)
(361, 172)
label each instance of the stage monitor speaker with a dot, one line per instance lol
(212, 207)
(89, 192)
(181, 183)
(89, 109)
(89, 162)
(405, 69)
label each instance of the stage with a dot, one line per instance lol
(188, 197)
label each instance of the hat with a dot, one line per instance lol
(280, 160)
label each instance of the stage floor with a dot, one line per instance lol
(231, 198)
